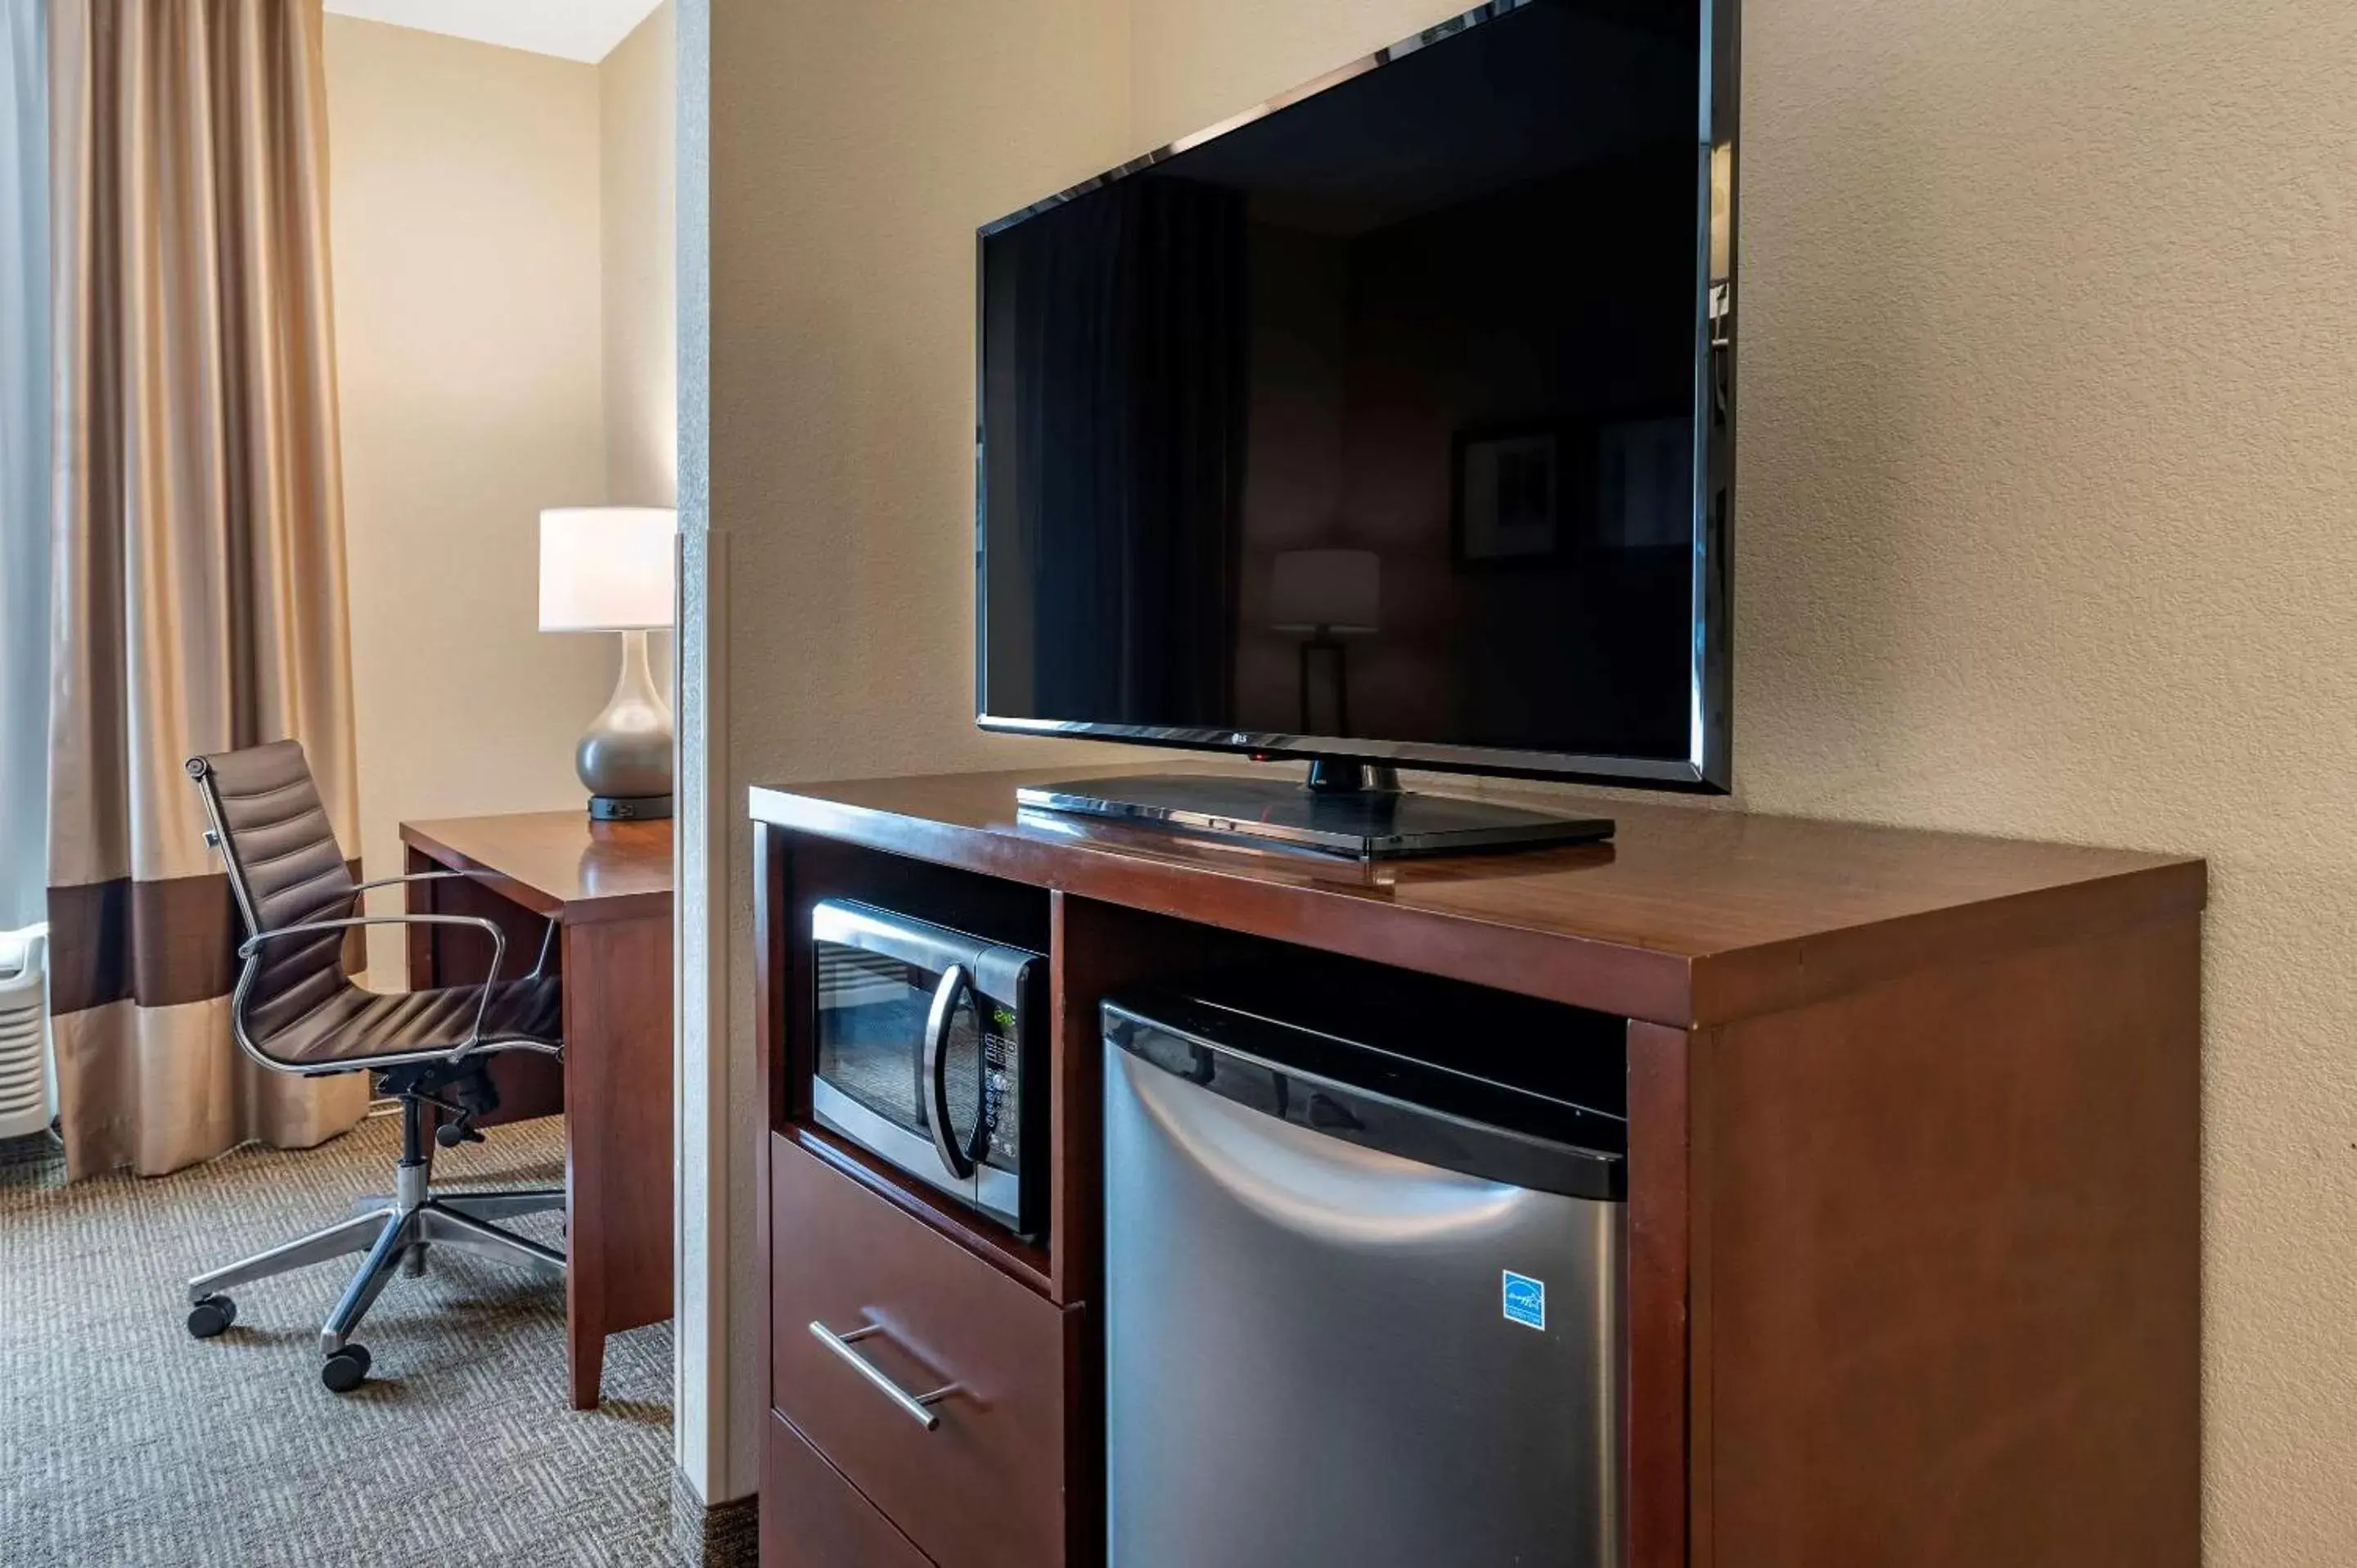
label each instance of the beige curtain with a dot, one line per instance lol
(198, 565)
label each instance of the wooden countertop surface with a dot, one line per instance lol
(558, 861)
(1691, 916)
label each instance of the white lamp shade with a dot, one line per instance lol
(1340, 590)
(606, 568)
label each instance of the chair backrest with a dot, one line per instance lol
(284, 865)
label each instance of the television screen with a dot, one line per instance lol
(1390, 423)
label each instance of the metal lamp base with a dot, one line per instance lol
(628, 808)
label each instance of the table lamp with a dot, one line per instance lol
(1322, 597)
(611, 568)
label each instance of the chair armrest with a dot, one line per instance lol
(499, 938)
(375, 883)
(548, 937)
(253, 944)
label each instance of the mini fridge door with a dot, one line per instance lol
(1319, 1352)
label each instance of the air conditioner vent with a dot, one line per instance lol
(27, 1091)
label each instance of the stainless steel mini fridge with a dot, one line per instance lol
(1361, 1310)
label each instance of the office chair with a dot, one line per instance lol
(296, 1010)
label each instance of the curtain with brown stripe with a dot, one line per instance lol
(198, 564)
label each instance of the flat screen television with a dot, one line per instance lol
(1391, 424)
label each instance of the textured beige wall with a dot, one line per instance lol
(1195, 62)
(464, 188)
(852, 160)
(2046, 509)
(854, 150)
(2045, 492)
(2046, 504)
(639, 140)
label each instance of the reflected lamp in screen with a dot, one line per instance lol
(1322, 597)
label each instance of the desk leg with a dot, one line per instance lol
(617, 1165)
(418, 897)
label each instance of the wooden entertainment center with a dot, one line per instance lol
(1913, 1184)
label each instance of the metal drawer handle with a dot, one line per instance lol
(914, 1404)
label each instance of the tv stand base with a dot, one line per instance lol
(1345, 808)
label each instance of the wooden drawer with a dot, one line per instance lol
(813, 1517)
(984, 1486)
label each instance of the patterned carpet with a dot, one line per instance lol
(124, 1443)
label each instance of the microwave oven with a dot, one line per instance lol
(920, 1056)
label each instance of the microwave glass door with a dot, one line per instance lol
(876, 1016)
(901, 1045)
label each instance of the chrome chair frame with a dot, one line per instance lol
(390, 1230)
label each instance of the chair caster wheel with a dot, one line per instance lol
(346, 1369)
(211, 1315)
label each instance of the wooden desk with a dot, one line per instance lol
(608, 886)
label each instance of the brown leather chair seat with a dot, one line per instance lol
(354, 1026)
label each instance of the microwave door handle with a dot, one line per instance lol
(954, 979)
